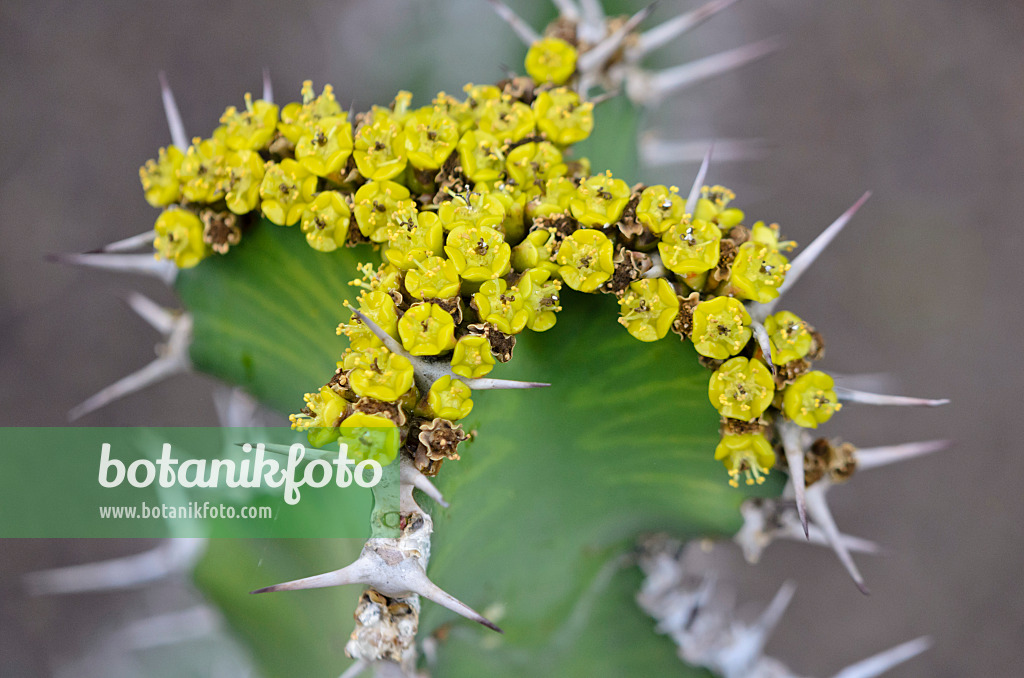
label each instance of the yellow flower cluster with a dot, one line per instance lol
(481, 215)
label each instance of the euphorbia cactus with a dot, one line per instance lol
(464, 233)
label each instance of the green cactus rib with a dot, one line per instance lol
(559, 480)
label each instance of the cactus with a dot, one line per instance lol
(469, 232)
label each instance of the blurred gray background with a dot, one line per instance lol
(921, 101)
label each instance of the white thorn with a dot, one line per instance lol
(143, 264)
(357, 668)
(849, 395)
(168, 629)
(361, 571)
(268, 87)
(869, 381)
(793, 530)
(595, 57)
(806, 258)
(795, 460)
(873, 457)
(650, 89)
(883, 661)
(168, 557)
(410, 475)
(772, 614)
(817, 507)
(519, 27)
(765, 342)
(698, 182)
(173, 361)
(592, 26)
(158, 317)
(658, 152)
(128, 244)
(496, 384)
(664, 33)
(567, 9)
(178, 136)
(421, 584)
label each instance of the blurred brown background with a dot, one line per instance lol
(920, 100)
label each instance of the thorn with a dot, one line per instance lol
(793, 530)
(143, 264)
(519, 27)
(591, 27)
(803, 261)
(605, 96)
(761, 335)
(174, 360)
(390, 342)
(657, 152)
(772, 614)
(795, 460)
(128, 244)
(662, 34)
(817, 506)
(698, 182)
(268, 86)
(171, 628)
(883, 661)
(873, 457)
(595, 57)
(159, 318)
(498, 384)
(357, 668)
(410, 475)
(870, 381)
(568, 10)
(651, 88)
(849, 395)
(168, 557)
(178, 136)
(361, 571)
(391, 571)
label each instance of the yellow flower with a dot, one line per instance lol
(561, 116)
(378, 306)
(649, 308)
(690, 247)
(660, 207)
(585, 259)
(375, 204)
(501, 307)
(378, 373)
(790, 338)
(297, 119)
(426, 329)
(540, 298)
(713, 207)
(810, 400)
(506, 119)
(251, 129)
(534, 252)
(450, 399)
(326, 146)
(160, 177)
(478, 252)
(551, 60)
(558, 192)
(741, 389)
(747, 454)
(721, 327)
(474, 209)
(286, 188)
(325, 221)
(531, 165)
(472, 357)
(481, 156)
(419, 236)
(380, 149)
(432, 278)
(203, 170)
(758, 271)
(600, 200)
(430, 137)
(327, 407)
(179, 238)
(369, 437)
(245, 175)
